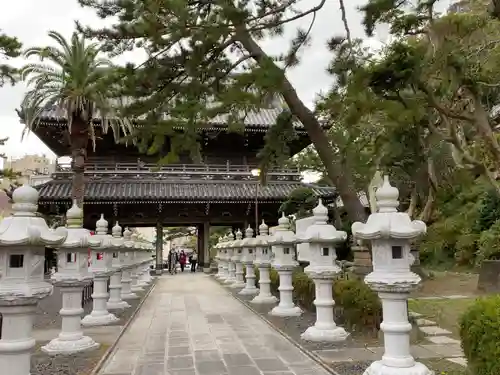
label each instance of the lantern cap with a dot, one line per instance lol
(239, 238)
(248, 240)
(320, 231)
(283, 235)
(388, 222)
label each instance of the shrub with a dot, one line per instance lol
(360, 305)
(489, 243)
(303, 290)
(480, 334)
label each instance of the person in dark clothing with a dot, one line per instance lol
(182, 260)
(193, 259)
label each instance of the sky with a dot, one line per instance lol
(31, 20)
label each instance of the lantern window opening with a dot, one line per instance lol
(239, 251)
(115, 255)
(16, 261)
(325, 251)
(397, 252)
(250, 251)
(286, 251)
(99, 256)
(70, 257)
(264, 251)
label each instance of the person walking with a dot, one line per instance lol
(172, 262)
(194, 261)
(182, 260)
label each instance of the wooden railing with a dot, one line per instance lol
(106, 168)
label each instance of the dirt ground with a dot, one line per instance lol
(443, 283)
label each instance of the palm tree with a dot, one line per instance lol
(72, 77)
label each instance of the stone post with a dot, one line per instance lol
(101, 268)
(283, 242)
(115, 301)
(263, 262)
(127, 293)
(71, 277)
(23, 237)
(391, 233)
(321, 239)
(159, 249)
(248, 245)
(239, 281)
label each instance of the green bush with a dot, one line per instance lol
(480, 334)
(489, 243)
(303, 290)
(361, 306)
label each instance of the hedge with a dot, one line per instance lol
(480, 334)
(357, 304)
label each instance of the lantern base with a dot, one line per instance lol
(117, 305)
(286, 311)
(129, 296)
(263, 300)
(378, 368)
(237, 285)
(99, 320)
(136, 288)
(335, 334)
(58, 346)
(229, 280)
(249, 291)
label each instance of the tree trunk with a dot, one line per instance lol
(339, 174)
(79, 138)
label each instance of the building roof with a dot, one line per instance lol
(170, 191)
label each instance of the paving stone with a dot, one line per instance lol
(457, 296)
(442, 340)
(235, 360)
(271, 364)
(425, 322)
(179, 350)
(347, 355)
(150, 369)
(244, 370)
(211, 367)
(449, 350)
(207, 355)
(180, 362)
(183, 372)
(414, 314)
(462, 361)
(434, 331)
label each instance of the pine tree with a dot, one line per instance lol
(205, 60)
(9, 47)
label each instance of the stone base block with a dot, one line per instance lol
(130, 296)
(378, 368)
(335, 334)
(237, 285)
(286, 311)
(264, 300)
(99, 320)
(249, 291)
(229, 281)
(137, 289)
(67, 347)
(117, 305)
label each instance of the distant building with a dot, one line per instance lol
(33, 169)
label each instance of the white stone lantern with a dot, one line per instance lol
(321, 239)
(23, 237)
(127, 293)
(134, 286)
(146, 276)
(115, 301)
(101, 268)
(283, 246)
(239, 281)
(263, 263)
(224, 258)
(248, 256)
(219, 259)
(71, 277)
(391, 233)
(231, 265)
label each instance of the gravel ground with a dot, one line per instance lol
(77, 364)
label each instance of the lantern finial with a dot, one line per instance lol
(320, 212)
(249, 232)
(74, 216)
(116, 230)
(387, 197)
(263, 229)
(101, 225)
(25, 200)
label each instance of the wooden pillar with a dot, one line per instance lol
(159, 248)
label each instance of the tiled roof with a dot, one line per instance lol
(175, 191)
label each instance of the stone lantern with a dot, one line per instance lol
(146, 276)
(23, 237)
(115, 301)
(224, 258)
(134, 286)
(248, 256)
(127, 293)
(321, 239)
(101, 268)
(283, 246)
(71, 277)
(218, 258)
(263, 263)
(391, 233)
(239, 281)
(231, 266)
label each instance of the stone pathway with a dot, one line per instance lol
(190, 325)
